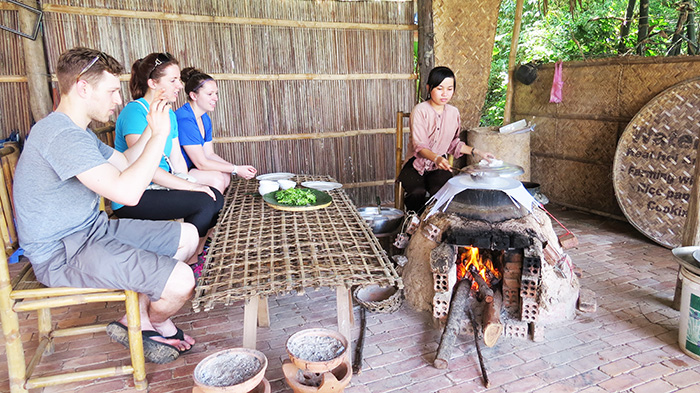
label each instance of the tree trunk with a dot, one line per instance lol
(625, 28)
(643, 31)
(677, 38)
(40, 101)
(691, 31)
(511, 61)
(426, 44)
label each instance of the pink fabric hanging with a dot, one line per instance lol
(557, 84)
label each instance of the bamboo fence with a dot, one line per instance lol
(15, 114)
(305, 86)
(574, 143)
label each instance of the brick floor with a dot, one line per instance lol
(630, 344)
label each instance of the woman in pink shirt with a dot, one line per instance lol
(435, 127)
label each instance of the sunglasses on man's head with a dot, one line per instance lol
(160, 59)
(100, 55)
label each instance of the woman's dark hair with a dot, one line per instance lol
(436, 76)
(193, 79)
(150, 67)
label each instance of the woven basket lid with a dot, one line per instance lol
(655, 163)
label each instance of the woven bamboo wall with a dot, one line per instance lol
(15, 114)
(464, 37)
(310, 87)
(573, 146)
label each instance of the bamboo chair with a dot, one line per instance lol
(398, 189)
(25, 293)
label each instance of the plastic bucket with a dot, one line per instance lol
(689, 328)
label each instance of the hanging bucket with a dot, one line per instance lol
(689, 328)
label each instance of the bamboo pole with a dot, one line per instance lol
(264, 77)
(296, 137)
(329, 77)
(10, 327)
(12, 78)
(166, 16)
(511, 61)
(35, 65)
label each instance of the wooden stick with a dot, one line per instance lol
(357, 362)
(470, 315)
(458, 304)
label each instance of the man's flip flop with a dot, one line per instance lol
(154, 351)
(179, 335)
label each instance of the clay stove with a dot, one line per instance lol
(517, 252)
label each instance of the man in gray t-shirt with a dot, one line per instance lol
(60, 176)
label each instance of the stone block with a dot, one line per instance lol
(568, 240)
(587, 300)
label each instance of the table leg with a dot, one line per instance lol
(344, 304)
(250, 322)
(263, 312)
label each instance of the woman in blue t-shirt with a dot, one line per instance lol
(171, 195)
(195, 130)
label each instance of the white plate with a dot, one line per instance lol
(321, 185)
(275, 176)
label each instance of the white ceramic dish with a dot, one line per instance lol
(286, 184)
(321, 185)
(275, 176)
(267, 186)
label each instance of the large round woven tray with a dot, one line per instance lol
(655, 162)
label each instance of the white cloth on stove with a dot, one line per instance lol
(513, 188)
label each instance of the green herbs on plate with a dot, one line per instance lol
(295, 197)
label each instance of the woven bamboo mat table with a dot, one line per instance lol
(257, 251)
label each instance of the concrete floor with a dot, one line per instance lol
(630, 344)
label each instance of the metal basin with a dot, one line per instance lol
(385, 221)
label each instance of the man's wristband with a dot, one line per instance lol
(235, 169)
(472, 153)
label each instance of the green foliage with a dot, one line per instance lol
(591, 31)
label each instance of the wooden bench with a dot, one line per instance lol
(24, 293)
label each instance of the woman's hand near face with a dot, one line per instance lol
(246, 171)
(159, 118)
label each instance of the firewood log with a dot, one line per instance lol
(485, 293)
(491, 320)
(457, 313)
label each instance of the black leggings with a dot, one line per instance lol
(194, 207)
(415, 185)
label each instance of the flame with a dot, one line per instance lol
(484, 266)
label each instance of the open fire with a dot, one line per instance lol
(478, 267)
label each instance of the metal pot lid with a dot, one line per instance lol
(488, 183)
(494, 168)
(685, 257)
